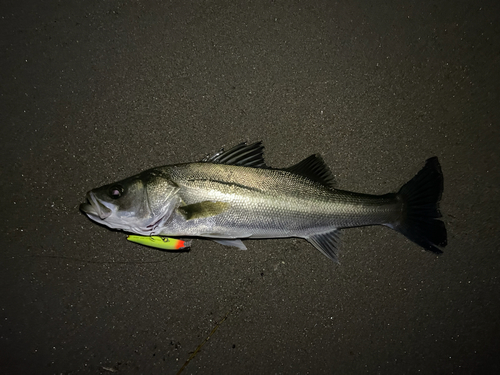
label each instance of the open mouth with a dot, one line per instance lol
(94, 208)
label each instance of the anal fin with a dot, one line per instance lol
(328, 243)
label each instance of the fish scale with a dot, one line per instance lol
(298, 203)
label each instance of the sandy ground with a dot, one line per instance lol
(95, 91)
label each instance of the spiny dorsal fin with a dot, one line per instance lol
(243, 155)
(314, 168)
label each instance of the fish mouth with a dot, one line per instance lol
(94, 208)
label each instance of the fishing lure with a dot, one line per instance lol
(159, 242)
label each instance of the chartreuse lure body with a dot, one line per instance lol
(159, 242)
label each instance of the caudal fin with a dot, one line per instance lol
(421, 196)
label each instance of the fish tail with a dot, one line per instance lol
(420, 197)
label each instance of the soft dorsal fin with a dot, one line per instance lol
(243, 155)
(314, 168)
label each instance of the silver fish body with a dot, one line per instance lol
(233, 196)
(269, 203)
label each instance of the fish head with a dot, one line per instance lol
(137, 204)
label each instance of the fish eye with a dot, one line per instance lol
(116, 191)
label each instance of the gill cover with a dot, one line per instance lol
(138, 204)
(161, 198)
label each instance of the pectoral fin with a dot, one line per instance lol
(235, 243)
(203, 209)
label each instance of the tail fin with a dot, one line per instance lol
(421, 196)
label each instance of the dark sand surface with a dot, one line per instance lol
(95, 91)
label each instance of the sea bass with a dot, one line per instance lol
(233, 195)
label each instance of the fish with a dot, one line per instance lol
(233, 195)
